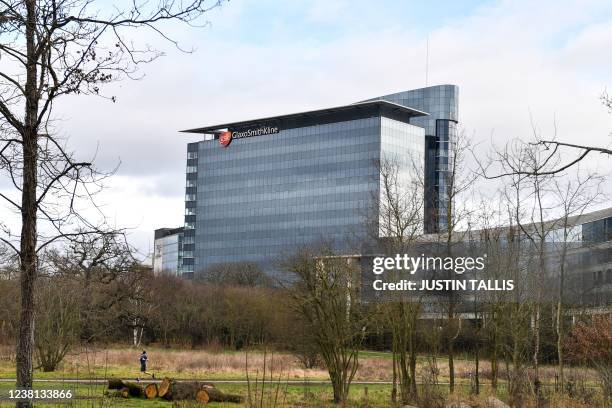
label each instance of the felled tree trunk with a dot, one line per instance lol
(150, 391)
(202, 396)
(164, 388)
(214, 395)
(184, 391)
(115, 384)
(134, 390)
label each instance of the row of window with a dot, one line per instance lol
(322, 195)
(303, 164)
(248, 189)
(349, 173)
(277, 223)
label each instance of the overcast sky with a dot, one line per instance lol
(513, 60)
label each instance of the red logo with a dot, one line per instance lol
(225, 138)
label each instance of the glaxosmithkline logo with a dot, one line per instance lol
(225, 138)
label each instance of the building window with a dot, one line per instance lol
(192, 155)
(190, 225)
(190, 211)
(192, 169)
(190, 183)
(190, 197)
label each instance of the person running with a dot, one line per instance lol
(143, 362)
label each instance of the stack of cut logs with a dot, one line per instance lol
(171, 390)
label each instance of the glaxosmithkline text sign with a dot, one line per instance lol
(225, 138)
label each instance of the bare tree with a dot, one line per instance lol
(96, 262)
(537, 196)
(398, 212)
(235, 273)
(57, 321)
(551, 149)
(525, 209)
(325, 294)
(52, 48)
(575, 196)
(457, 181)
(532, 188)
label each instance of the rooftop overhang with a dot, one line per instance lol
(326, 115)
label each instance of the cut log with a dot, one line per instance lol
(150, 391)
(184, 390)
(135, 390)
(125, 392)
(115, 384)
(164, 388)
(202, 396)
(214, 395)
(172, 390)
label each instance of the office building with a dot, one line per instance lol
(256, 190)
(442, 105)
(168, 251)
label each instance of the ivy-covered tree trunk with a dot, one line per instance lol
(28, 262)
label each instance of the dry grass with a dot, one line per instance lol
(97, 362)
(185, 363)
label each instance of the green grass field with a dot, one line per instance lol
(312, 395)
(92, 395)
(219, 365)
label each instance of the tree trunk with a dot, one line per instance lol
(536, 346)
(494, 362)
(115, 384)
(28, 261)
(337, 387)
(138, 332)
(451, 347)
(413, 360)
(477, 372)
(451, 366)
(215, 395)
(202, 397)
(135, 390)
(394, 388)
(164, 387)
(560, 343)
(198, 391)
(404, 376)
(150, 391)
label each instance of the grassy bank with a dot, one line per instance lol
(86, 363)
(313, 395)
(97, 362)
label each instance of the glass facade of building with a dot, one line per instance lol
(442, 104)
(263, 197)
(597, 231)
(168, 251)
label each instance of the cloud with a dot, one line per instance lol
(514, 61)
